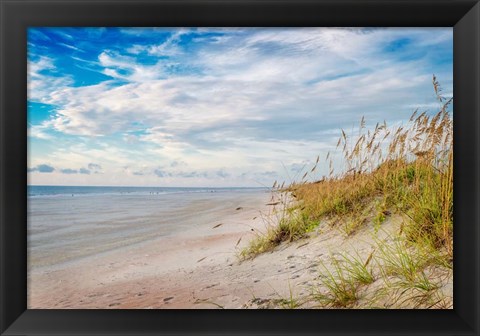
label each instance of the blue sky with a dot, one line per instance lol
(216, 106)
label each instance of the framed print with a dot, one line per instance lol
(217, 167)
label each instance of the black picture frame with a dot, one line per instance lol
(16, 16)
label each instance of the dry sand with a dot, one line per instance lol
(199, 268)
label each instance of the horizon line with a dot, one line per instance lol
(130, 186)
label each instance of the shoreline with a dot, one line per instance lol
(200, 268)
(74, 283)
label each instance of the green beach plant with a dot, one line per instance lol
(339, 289)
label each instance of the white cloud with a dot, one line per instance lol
(126, 68)
(40, 81)
(256, 101)
(40, 131)
(170, 46)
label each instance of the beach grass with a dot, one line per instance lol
(407, 170)
(341, 283)
(404, 171)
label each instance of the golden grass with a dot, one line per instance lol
(407, 170)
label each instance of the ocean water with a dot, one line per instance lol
(36, 191)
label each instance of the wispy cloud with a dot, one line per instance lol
(94, 167)
(170, 47)
(69, 171)
(230, 105)
(84, 171)
(43, 79)
(42, 168)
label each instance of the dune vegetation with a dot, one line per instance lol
(406, 172)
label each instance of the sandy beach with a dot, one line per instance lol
(194, 265)
(148, 255)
